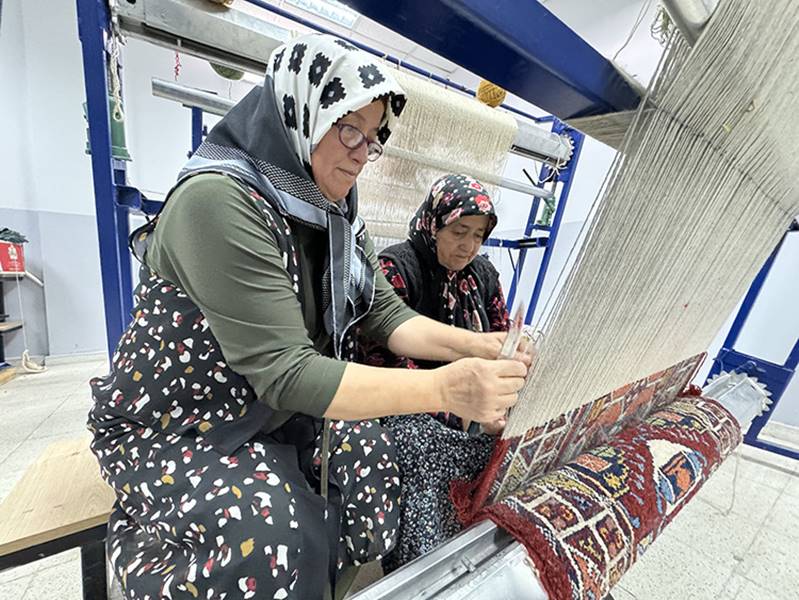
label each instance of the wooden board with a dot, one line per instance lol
(60, 494)
(7, 326)
(7, 374)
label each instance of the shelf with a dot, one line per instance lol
(10, 326)
(12, 275)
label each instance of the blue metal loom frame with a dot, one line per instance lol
(775, 377)
(107, 173)
(564, 177)
(533, 54)
(527, 242)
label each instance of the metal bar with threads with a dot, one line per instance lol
(484, 176)
(530, 140)
(219, 106)
(690, 16)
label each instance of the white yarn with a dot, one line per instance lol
(456, 132)
(26, 363)
(694, 205)
(638, 20)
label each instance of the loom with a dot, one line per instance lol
(587, 92)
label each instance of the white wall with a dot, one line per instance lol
(14, 156)
(54, 97)
(16, 176)
(47, 178)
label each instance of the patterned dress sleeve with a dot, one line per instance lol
(498, 316)
(375, 354)
(388, 310)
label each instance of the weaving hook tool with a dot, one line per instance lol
(515, 331)
(508, 350)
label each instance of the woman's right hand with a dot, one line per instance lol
(480, 390)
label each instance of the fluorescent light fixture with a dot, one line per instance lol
(328, 9)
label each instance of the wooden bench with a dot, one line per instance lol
(60, 503)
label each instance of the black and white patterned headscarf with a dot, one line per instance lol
(266, 141)
(319, 79)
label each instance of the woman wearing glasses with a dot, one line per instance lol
(239, 438)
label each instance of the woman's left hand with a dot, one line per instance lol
(488, 346)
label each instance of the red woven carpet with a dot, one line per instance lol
(585, 522)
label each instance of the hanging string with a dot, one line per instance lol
(113, 70)
(661, 27)
(638, 20)
(177, 65)
(115, 41)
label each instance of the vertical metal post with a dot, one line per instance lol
(93, 24)
(196, 129)
(92, 565)
(528, 229)
(122, 235)
(793, 358)
(566, 177)
(3, 363)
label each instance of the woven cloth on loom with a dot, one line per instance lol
(547, 447)
(704, 189)
(457, 132)
(585, 523)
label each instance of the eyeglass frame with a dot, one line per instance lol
(364, 140)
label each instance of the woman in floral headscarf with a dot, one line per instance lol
(438, 272)
(239, 438)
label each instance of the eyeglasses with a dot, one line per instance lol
(353, 138)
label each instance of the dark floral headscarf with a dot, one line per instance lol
(451, 198)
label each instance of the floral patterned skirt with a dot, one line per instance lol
(432, 452)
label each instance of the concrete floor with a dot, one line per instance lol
(748, 553)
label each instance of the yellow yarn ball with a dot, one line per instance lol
(490, 94)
